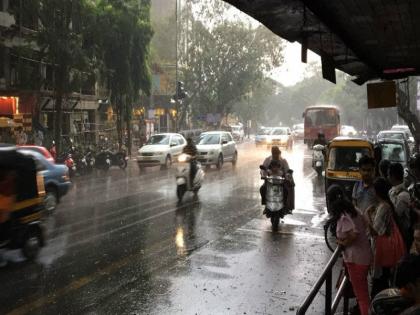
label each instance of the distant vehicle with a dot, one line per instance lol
(161, 149)
(261, 136)
(298, 131)
(215, 148)
(348, 131)
(56, 179)
(321, 118)
(40, 150)
(393, 134)
(395, 150)
(237, 132)
(404, 128)
(282, 137)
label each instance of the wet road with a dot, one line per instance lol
(120, 244)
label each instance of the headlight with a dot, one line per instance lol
(183, 158)
(212, 152)
(269, 140)
(158, 153)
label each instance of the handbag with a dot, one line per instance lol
(389, 248)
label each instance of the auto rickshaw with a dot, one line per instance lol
(342, 165)
(22, 194)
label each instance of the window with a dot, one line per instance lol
(393, 152)
(346, 159)
(321, 117)
(179, 140)
(210, 138)
(158, 139)
(279, 132)
(225, 137)
(229, 137)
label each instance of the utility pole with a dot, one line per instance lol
(176, 67)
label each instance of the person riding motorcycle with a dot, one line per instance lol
(191, 150)
(321, 139)
(283, 168)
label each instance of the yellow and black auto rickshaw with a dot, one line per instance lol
(22, 193)
(342, 167)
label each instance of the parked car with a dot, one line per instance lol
(261, 136)
(161, 149)
(42, 150)
(237, 132)
(348, 131)
(282, 137)
(217, 147)
(298, 131)
(56, 179)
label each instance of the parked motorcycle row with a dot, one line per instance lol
(83, 162)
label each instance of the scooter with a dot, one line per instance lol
(106, 158)
(183, 182)
(276, 205)
(318, 158)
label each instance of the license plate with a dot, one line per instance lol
(147, 157)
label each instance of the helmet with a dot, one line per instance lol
(321, 134)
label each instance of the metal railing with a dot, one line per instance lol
(326, 276)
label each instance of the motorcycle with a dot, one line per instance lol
(106, 158)
(279, 195)
(66, 158)
(183, 180)
(318, 159)
(87, 162)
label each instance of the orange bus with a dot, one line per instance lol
(321, 118)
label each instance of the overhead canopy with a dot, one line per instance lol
(367, 39)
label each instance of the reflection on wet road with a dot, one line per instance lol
(120, 244)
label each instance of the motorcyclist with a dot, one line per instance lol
(191, 150)
(283, 168)
(321, 139)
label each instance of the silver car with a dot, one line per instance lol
(217, 147)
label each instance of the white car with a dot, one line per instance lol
(161, 149)
(348, 131)
(238, 132)
(216, 147)
(282, 137)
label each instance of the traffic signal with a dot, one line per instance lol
(180, 91)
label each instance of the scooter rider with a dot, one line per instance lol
(283, 168)
(191, 150)
(321, 139)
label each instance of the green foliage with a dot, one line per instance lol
(222, 60)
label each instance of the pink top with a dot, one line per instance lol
(358, 252)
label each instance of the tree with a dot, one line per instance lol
(125, 53)
(221, 60)
(60, 42)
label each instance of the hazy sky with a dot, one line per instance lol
(292, 70)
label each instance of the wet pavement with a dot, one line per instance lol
(119, 243)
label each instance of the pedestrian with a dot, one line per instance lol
(351, 234)
(39, 138)
(388, 243)
(407, 279)
(415, 247)
(363, 192)
(400, 199)
(21, 137)
(384, 167)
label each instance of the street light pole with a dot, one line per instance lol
(176, 67)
